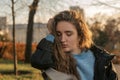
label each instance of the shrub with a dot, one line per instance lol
(20, 50)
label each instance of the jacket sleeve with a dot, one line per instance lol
(111, 72)
(42, 58)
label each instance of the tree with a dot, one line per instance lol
(99, 36)
(115, 4)
(112, 31)
(28, 50)
(14, 48)
(102, 39)
(14, 9)
(105, 32)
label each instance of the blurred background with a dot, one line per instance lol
(23, 25)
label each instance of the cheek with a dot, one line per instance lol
(74, 42)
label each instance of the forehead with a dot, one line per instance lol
(65, 26)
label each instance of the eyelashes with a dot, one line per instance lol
(67, 33)
(59, 34)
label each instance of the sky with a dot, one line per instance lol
(48, 8)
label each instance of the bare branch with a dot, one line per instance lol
(100, 3)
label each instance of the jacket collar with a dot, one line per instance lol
(102, 60)
(101, 53)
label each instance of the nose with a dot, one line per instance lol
(63, 39)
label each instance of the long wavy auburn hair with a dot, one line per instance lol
(65, 61)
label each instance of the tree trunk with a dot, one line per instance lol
(29, 37)
(14, 48)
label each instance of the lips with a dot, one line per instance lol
(64, 46)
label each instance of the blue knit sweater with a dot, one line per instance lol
(85, 65)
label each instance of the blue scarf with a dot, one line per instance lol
(85, 65)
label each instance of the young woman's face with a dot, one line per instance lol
(68, 37)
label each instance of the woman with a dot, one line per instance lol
(70, 49)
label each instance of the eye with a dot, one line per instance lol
(69, 33)
(58, 34)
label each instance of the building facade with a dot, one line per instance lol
(39, 31)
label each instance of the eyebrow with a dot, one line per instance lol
(68, 31)
(65, 31)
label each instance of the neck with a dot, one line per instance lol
(78, 51)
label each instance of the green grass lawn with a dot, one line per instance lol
(25, 71)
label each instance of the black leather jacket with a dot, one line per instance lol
(103, 70)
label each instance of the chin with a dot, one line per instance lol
(66, 50)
